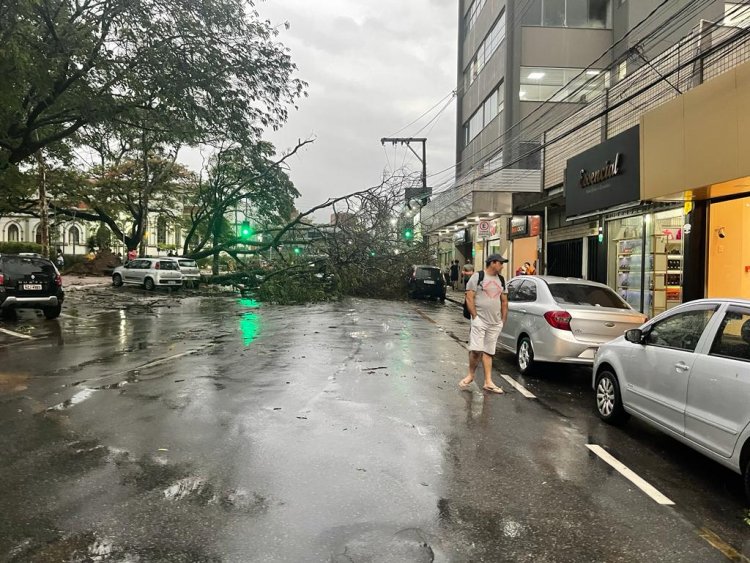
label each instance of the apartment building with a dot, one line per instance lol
(524, 66)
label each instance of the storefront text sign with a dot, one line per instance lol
(605, 173)
(605, 176)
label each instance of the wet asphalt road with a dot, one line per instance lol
(143, 428)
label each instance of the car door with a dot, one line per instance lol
(659, 370)
(509, 333)
(718, 400)
(128, 272)
(139, 270)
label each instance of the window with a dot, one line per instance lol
(481, 118)
(592, 14)
(527, 292)
(733, 338)
(472, 15)
(584, 294)
(14, 233)
(576, 85)
(513, 290)
(168, 265)
(681, 331)
(485, 51)
(74, 236)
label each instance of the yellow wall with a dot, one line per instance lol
(699, 139)
(729, 256)
(524, 250)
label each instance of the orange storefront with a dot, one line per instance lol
(696, 150)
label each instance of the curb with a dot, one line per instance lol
(85, 286)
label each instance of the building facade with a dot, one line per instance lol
(525, 69)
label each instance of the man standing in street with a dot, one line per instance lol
(454, 273)
(487, 301)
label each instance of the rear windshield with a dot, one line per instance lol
(188, 263)
(428, 274)
(168, 265)
(19, 266)
(581, 294)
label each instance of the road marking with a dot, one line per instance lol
(16, 334)
(643, 485)
(520, 388)
(726, 549)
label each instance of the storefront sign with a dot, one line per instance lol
(604, 176)
(518, 226)
(535, 225)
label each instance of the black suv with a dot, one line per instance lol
(426, 281)
(29, 281)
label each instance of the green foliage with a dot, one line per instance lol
(66, 64)
(296, 288)
(17, 247)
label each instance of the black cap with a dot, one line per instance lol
(495, 258)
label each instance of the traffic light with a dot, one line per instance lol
(600, 237)
(408, 233)
(297, 250)
(246, 231)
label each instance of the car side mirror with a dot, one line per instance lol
(635, 336)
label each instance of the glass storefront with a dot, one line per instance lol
(645, 260)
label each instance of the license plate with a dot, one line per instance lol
(429, 282)
(32, 286)
(174, 282)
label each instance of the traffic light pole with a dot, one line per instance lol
(407, 141)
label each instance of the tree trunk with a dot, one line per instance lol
(216, 245)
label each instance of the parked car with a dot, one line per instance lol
(565, 320)
(426, 281)
(148, 272)
(687, 373)
(30, 281)
(191, 275)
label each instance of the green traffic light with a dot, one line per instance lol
(246, 231)
(297, 250)
(408, 234)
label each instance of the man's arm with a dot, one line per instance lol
(470, 305)
(503, 306)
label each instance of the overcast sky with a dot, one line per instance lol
(373, 66)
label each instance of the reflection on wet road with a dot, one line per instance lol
(216, 429)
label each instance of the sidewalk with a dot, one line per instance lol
(83, 282)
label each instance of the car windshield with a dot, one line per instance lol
(19, 266)
(428, 274)
(583, 294)
(188, 263)
(168, 265)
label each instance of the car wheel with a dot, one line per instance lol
(52, 312)
(746, 478)
(608, 399)
(148, 283)
(525, 356)
(117, 280)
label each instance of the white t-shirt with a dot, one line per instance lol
(487, 298)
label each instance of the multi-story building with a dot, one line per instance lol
(525, 66)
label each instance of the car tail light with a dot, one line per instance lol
(58, 280)
(2, 279)
(156, 266)
(558, 319)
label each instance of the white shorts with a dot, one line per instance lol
(483, 336)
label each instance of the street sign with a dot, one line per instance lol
(483, 229)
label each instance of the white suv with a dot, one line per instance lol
(148, 272)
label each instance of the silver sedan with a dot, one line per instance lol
(687, 373)
(564, 320)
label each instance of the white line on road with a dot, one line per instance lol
(16, 334)
(630, 475)
(520, 388)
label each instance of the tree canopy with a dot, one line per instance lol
(198, 69)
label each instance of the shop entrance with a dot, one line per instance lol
(729, 249)
(565, 258)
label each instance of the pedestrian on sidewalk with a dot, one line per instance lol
(454, 274)
(60, 260)
(467, 272)
(487, 301)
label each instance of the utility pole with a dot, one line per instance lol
(413, 193)
(43, 211)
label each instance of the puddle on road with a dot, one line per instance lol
(76, 399)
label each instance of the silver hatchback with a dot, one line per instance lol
(148, 272)
(563, 320)
(687, 373)
(191, 275)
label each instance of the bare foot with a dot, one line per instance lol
(464, 383)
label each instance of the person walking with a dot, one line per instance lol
(60, 260)
(487, 301)
(454, 273)
(468, 271)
